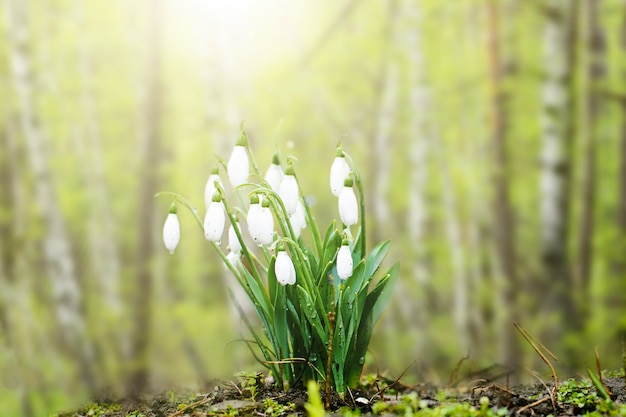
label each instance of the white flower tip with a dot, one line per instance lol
(238, 167)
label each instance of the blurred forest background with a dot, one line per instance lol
(491, 135)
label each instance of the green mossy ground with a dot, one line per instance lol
(251, 396)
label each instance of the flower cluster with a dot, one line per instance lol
(313, 295)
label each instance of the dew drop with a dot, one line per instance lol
(362, 360)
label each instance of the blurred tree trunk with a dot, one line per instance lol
(11, 220)
(617, 288)
(500, 69)
(620, 263)
(150, 139)
(593, 74)
(457, 251)
(418, 153)
(103, 258)
(59, 263)
(380, 165)
(558, 134)
(104, 254)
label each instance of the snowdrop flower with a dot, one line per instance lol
(348, 206)
(171, 230)
(289, 191)
(260, 221)
(238, 165)
(214, 220)
(274, 174)
(284, 269)
(339, 170)
(298, 219)
(266, 224)
(233, 258)
(252, 218)
(233, 241)
(209, 188)
(344, 261)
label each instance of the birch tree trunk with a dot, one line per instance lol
(104, 253)
(457, 251)
(59, 264)
(382, 150)
(555, 167)
(418, 143)
(150, 140)
(594, 72)
(503, 216)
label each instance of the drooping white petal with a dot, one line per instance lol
(348, 206)
(214, 222)
(274, 176)
(344, 262)
(284, 269)
(265, 227)
(233, 258)
(209, 188)
(339, 170)
(171, 232)
(289, 193)
(238, 166)
(298, 219)
(233, 242)
(253, 221)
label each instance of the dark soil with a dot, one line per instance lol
(258, 398)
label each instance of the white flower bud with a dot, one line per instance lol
(214, 220)
(298, 219)
(171, 230)
(289, 191)
(209, 188)
(339, 170)
(284, 269)
(344, 261)
(238, 166)
(348, 205)
(233, 241)
(260, 221)
(233, 258)
(274, 174)
(266, 225)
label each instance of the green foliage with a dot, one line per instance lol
(313, 406)
(411, 405)
(318, 329)
(588, 396)
(271, 408)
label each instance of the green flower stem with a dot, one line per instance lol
(302, 259)
(359, 186)
(310, 221)
(184, 202)
(255, 167)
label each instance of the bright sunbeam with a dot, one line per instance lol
(252, 33)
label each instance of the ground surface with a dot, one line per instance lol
(252, 396)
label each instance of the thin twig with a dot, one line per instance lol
(191, 406)
(455, 371)
(382, 391)
(531, 405)
(534, 342)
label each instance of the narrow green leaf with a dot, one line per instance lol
(308, 307)
(385, 288)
